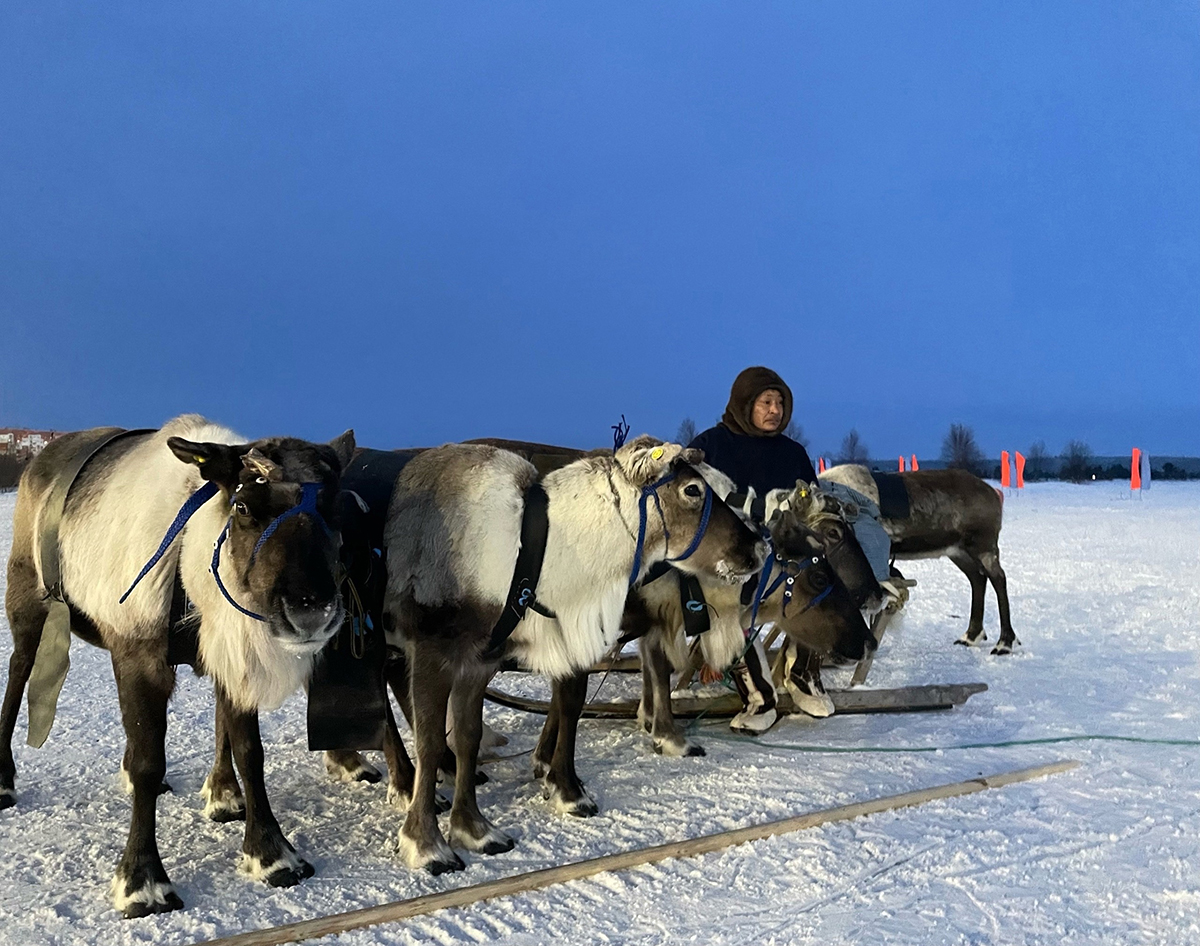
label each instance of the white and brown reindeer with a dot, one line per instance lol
(955, 514)
(257, 559)
(453, 535)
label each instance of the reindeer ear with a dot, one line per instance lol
(691, 455)
(344, 446)
(645, 459)
(257, 462)
(218, 463)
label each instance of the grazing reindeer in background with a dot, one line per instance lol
(954, 514)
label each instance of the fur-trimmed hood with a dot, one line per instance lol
(747, 386)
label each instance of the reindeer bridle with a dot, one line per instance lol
(306, 504)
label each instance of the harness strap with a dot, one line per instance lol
(308, 504)
(215, 570)
(522, 592)
(52, 659)
(186, 511)
(56, 502)
(695, 609)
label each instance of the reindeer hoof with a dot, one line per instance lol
(968, 641)
(222, 804)
(153, 896)
(1002, 648)
(350, 766)
(169, 903)
(677, 748)
(445, 865)
(290, 876)
(582, 808)
(285, 871)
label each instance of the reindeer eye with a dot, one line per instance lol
(692, 490)
(242, 508)
(261, 479)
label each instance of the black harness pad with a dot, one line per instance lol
(893, 495)
(695, 610)
(347, 696)
(522, 591)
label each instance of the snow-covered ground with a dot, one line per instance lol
(1105, 596)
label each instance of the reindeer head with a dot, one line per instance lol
(832, 520)
(822, 615)
(279, 558)
(675, 496)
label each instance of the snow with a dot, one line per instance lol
(1105, 592)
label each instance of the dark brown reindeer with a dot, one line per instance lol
(955, 514)
(265, 602)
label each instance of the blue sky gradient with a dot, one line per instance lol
(435, 221)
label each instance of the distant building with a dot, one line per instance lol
(22, 442)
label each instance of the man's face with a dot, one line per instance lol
(768, 411)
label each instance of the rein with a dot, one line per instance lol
(640, 547)
(307, 504)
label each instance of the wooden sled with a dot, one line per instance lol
(857, 700)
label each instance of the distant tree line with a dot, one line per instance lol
(960, 450)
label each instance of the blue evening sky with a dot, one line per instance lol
(435, 221)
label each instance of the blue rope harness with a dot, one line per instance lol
(786, 579)
(639, 549)
(186, 511)
(307, 503)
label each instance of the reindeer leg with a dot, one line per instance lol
(421, 840)
(266, 853)
(398, 679)
(223, 800)
(144, 684)
(991, 565)
(26, 617)
(561, 783)
(468, 827)
(666, 736)
(543, 755)
(401, 772)
(645, 713)
(970, 566)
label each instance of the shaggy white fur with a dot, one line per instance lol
(149, 894)
(105, 546)
(255, 869)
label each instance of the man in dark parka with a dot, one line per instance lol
(750, 447)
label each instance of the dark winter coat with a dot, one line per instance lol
(749, 456)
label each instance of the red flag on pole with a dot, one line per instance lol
(902, 463)
(1005, 473)
(1135, 470)
(820, 464)
(1020, 470)
(913, 466)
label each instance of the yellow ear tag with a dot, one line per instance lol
(656, 453)
(803, 494)
(199, 460)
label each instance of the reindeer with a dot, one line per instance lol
(805, 525)
(257, 560)
(954, 514)
(453, 535)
